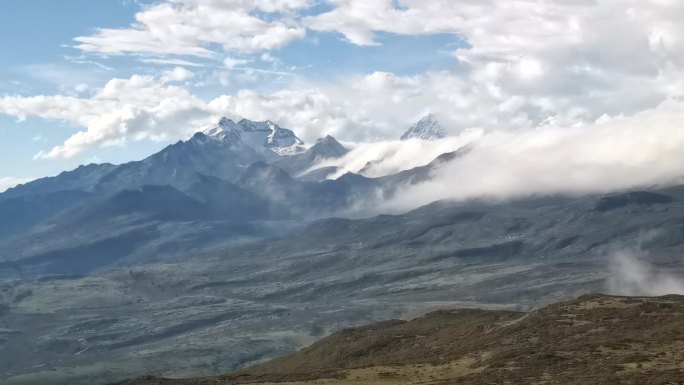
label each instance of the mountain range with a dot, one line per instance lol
(232, 179)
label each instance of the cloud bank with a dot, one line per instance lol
(383, 158)
(608, 155)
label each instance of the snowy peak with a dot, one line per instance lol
(427, 128)
(221, 131)
(264, 137)
(268, 134)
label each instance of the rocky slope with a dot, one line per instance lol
(595, 339)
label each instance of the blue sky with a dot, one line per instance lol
(39, 64)
(116, 80)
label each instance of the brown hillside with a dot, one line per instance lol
(594, 339)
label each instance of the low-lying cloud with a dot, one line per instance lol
(630, 274)
(611, 154)
(382, 158)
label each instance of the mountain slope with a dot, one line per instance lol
(20, 214)
(177, 164)
(223, 150)
(307, 199)
(138, 225)
(595, 339)
(229, 201)
(83, 178)
(419, 174)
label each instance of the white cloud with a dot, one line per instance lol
(190, 27)
(529, 62)
(39, 138)
(80, 88)
(630, 274)
(9, 182)
(177, 74)
(177, 62)
(136, 108)
(266, 57)
(389, 157)
(231, 63)
(640, 151)
(308, 111)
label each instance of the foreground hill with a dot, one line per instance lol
(594, 339)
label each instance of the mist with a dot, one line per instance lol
(376, 159)
(631, 275)
(612, 154)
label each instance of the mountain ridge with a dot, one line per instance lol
(240, 160)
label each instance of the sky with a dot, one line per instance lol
(116, 80)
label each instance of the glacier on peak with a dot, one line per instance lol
(427, 128)
(265, 137)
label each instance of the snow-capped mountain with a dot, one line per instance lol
(267, 138)
(325, 148)
(427, 128)
(227, 183)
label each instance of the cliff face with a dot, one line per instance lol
(594, 339)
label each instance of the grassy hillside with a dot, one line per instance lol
(594, 339)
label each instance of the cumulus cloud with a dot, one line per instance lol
(145, 107)
(310, 112)
(523, 32)
(190, 27)
(177, 74)
(526, 63)
(630, 274)
(140, 107)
